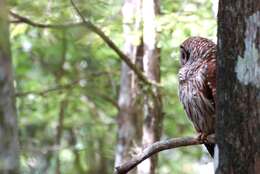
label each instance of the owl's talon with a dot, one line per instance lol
(202, 137)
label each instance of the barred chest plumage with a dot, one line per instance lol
(197, 84)
(198, 107)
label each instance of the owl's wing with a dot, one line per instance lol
(211, 77)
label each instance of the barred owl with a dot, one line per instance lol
(197, 84)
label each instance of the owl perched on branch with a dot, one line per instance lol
(197, 85)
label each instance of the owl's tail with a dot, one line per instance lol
(210, 148)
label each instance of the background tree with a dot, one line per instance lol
(238, 83)
(130, 116)
(90, 82)
(153, 116)
(9, 148)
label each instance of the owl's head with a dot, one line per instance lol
(195, 48)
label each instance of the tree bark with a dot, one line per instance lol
(9, 147)
(238, 87)
(130, 98)
(152, 102)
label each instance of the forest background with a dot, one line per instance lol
(67, 82)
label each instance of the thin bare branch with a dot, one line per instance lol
(160, 146)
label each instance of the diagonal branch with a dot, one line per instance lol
(94, 29)
(160, 146)
(113, 46)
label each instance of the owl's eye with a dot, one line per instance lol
(184, 56)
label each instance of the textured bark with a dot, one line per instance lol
(152, 102)
(130, 100)
(238, 87)
(9, 151)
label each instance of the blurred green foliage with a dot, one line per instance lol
(76, 66)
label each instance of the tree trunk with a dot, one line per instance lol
(59, 73)
(238, 87)
(9, 148)
(152, 103)
(77, 161)
(60, 129)
(130, 100)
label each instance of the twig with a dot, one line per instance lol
(157, 147)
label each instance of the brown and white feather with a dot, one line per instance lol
(197, 82)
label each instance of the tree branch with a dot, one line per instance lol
(94, 29)
(157, 147)
(113, 46)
